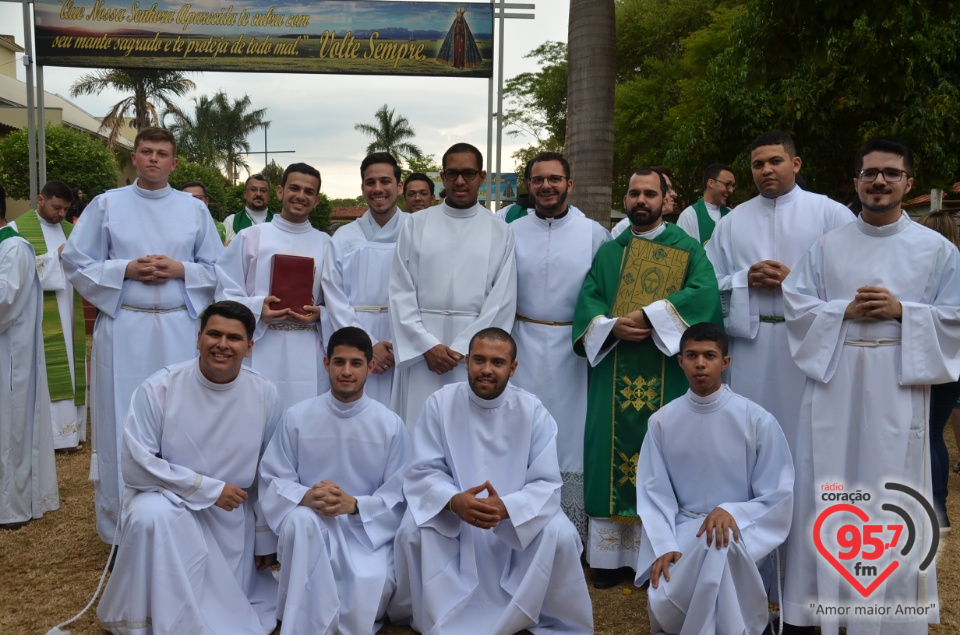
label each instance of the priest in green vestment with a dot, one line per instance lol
(643, 290)
(699, 219)
(64, 336)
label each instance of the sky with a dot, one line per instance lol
(314, 115)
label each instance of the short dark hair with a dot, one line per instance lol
(301, 168)
(712, 173)
(495, 334)
(885, 144)
(664, 170)
(230, 310)
(706, 332)
(775, 138)
(155, 134)
(379, 157)
(547, 156)
(351, 336)
(648, 172)
(460, 148)
(255, 177)
(194, 184)
(419, 176)
(57, 189)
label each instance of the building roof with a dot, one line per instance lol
(342, 214)
(951, 200)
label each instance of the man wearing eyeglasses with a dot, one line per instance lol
(454, 274)
(699, 219)
(873, 314)
(752, 252)
(555, 248)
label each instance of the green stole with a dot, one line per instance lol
(241, 221)
(635, 379)
(515, 212)
(704, 222)
(54, 343)
(7, 232)
(221, 231)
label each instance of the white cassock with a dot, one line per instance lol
(290, 354)
(69, 420)
(620, 227)
(184, 564)
(864, 416)
(141, 327)
(523, 574)
(360, 267)
(743, 466)
(778, 229)
(553, 257)
(454, 274)
(337, 573)
(28, 487)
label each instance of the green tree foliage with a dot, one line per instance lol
(321, 214)
(390, 133)
(538, 101)
(347, 202)
(73, 157)
(422, 164)
(146, 88)
(215, 135)
(211, 178)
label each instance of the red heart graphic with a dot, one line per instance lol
(862, 515)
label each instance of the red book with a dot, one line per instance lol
(291, 280)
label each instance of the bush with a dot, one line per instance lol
(217, 186)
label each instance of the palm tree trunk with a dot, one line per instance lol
(591, 82)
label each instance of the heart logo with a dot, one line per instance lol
(862, 515)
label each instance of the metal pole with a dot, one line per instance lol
(31, 114)
(500, 104)
(41, 130)
(489, 139)
(265, 160)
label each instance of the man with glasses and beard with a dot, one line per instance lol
(555, 247)
(453, 274)
(642, 290)
(256, 197)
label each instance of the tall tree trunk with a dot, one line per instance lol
(591, 82)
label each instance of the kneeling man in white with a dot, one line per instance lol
(195, 553)
(715, 494)
(484, 547)
(331, 483)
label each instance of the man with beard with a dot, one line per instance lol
(454, 274)
(256, 196)
(483, 547)
(873, 317)
(360, 264)
(752, 252)
(699, 219)
(642, 290)
(669, 201)
(555, 247)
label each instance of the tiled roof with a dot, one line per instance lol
(347, 213)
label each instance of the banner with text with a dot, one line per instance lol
(356, 37)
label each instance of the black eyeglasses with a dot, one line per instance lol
(468, 175)
(553, 179)
(730, 185)
(890, 175)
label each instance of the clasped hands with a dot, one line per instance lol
(484, 513)
(327, 499)
(767, 274)
(873, 302)
(154, 269)
(719, 525)
(633, 327)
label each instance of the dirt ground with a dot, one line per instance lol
(49, 569)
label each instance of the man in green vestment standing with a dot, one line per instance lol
(64, 337)
(256, 198)
(642, 291)
(699, 219)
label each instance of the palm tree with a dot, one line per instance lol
(390, 134)
(216, 134)
(147, 87)
(591, 83)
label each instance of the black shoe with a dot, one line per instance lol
(609, 578)
(790, 629)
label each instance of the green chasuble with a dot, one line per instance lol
(54, 344)
(635, 378)
(241, 220)
(705, 224)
